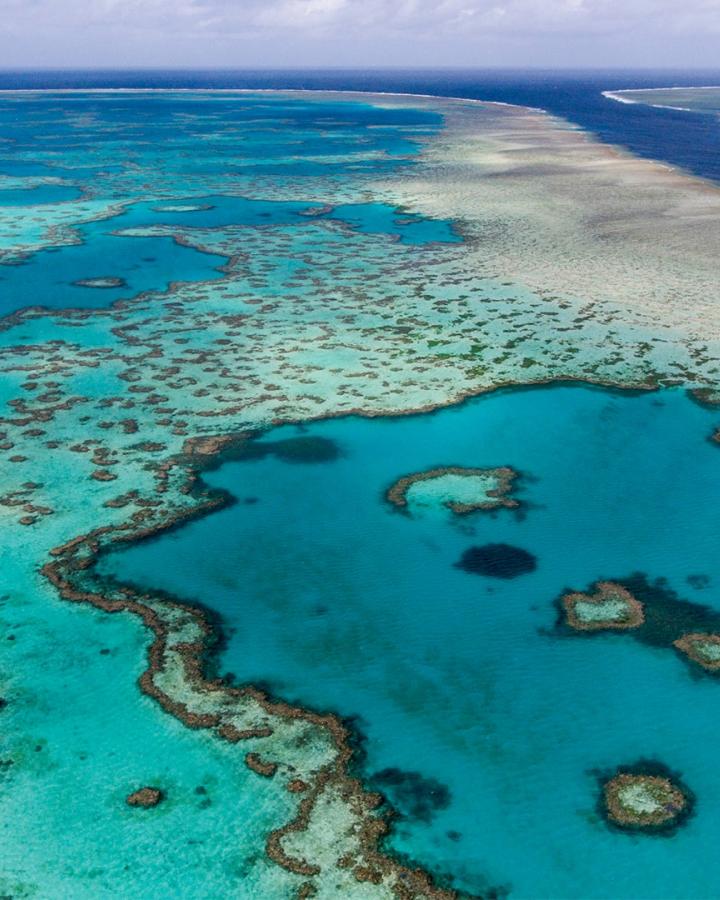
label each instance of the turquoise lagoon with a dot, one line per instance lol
(332, 598)
(36, 196)
(142, 262)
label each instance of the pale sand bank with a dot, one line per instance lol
(547, 205)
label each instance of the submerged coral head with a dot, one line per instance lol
(646, 797)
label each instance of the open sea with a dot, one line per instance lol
(484, 722)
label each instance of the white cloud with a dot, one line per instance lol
(355, 26)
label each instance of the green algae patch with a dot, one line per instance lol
(611, 607)
(646, 797)
(460, 489)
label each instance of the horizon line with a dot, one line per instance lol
(359, 68)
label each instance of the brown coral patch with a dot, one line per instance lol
(632, 615)
(692, 646)
(145, 797)
(396, 494)
(639, 801)
(255, 762)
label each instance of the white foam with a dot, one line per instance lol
(618, 95)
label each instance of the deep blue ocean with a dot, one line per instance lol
(682, 138)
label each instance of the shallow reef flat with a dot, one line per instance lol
(460, 489)
(634, 241)
(422, 267)
(688, 99)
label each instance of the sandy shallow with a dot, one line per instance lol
(562, 213)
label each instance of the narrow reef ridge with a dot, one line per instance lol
(646, 797)
(309, 752)
(462, 490)
(611, 607)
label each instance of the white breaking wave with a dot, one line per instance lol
(619, 95)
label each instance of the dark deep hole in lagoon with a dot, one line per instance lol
(497, 561)
(411, 793)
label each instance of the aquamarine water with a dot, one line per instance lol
(144, 263)
(35, 196)
(50, 278)
(334, 599)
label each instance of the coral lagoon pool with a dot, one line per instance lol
(496, 720)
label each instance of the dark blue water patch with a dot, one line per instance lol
(223, 211)
(212, 212)
(411, 794)
(302, 449)
(44, 193)
(22, 168)
(81, 173)
(497, 561)
(50, 278)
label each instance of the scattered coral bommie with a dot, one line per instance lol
(646, 797)
(145, 797)
(460, 489)
(109, 281)
(703, 649)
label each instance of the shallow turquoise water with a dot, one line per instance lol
(151, 263)
(44, 193)
(221, 211)
(334, 599)
(49, 278)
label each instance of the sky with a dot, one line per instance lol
(287, 33)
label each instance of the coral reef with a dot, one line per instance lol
(462, 490)
(145, 797)
(646, 797)
(611, 606)
(703, 649)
